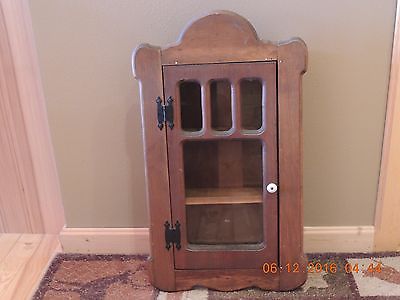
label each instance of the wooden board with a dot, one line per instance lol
(221, 36)
(147, 69)
(30, 197)
(36, 267)
(387, 229)
(25, 264)
(292, 64)
(223, 196)
(226, 280)
(7, 242)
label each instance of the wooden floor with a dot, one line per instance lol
(23, 261)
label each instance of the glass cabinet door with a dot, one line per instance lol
(223, 194)
(222, 155)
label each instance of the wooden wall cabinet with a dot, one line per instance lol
(221, 115)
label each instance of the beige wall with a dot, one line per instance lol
(93, 103)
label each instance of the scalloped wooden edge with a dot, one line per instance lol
(225, 45)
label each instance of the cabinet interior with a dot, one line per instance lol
(223, 191)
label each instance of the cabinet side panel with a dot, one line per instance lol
(147, 69)
(291, 65)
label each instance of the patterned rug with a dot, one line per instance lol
(330, 276)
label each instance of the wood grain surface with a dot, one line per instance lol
(24, 259)
(387, 229)
(147, 69)
(30, 197)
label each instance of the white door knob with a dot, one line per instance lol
(272, 188)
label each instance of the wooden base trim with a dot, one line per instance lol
(105, 240)
(338, 239)
(227, 280)
(136, 240)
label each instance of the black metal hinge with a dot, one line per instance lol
(165, 113)
(172, 235)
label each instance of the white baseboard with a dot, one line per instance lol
(136, 240)
(105, 240)
(338, 239)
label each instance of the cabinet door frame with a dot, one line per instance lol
(191, 257)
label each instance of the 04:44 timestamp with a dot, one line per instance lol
(318, 267)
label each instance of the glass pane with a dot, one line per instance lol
(221, 109)
(190, 97)
(251, 103)
(223, 190)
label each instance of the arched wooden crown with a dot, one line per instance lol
(224, 36)
(221, 36)
(219, 29)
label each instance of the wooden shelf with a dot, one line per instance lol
(202, 196)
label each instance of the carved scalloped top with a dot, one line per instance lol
(221, 29)
(222, 37)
